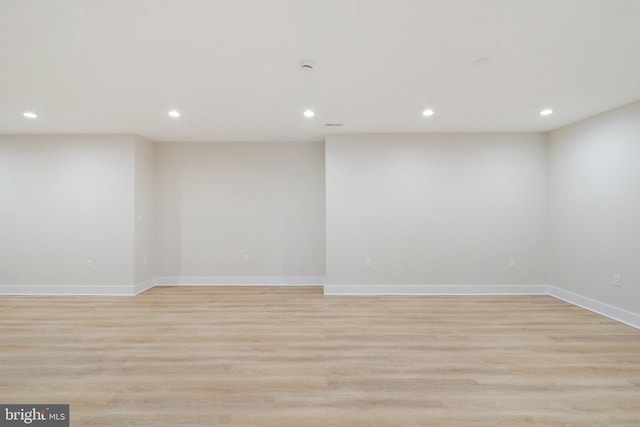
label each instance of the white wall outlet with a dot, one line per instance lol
(245, 258)
(617, 280)
(368, 264)
(145, 260)
(89, 264)
(140, 219)
(512, 264)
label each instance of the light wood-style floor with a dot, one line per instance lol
(241, 356)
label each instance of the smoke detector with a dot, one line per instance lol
(307, 65)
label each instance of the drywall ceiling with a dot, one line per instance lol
(232, 67)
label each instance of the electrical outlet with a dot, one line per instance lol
(368, 264)
(512, 264)
(145, 260)
(245, 258)
(617, 280)
(89, 264)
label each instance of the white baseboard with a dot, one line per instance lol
(59, 290)
(144, 286)
(607, 310)
(435, 289)
(615, 313)
(273, 281)
(240, 281)
(130, 290)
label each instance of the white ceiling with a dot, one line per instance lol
(232, 66)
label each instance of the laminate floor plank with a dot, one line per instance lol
(287, 356)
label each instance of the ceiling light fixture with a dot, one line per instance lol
(309, 113)
(428, 112)
(30, 115)
(174, 113)
(546, 112)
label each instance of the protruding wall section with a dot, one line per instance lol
(66, 214)
(594, 188)
(438, 209)
(145, 260)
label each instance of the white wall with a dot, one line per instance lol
(64, 200)
(448, 209)
(219, 201)
(145, 263)
(594, 182)
(436, 209)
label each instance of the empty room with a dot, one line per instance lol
(320, 213)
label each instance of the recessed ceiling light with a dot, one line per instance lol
(546, 112)
(30, 115)
(309, 113)
(174, 113)
(428, 112)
